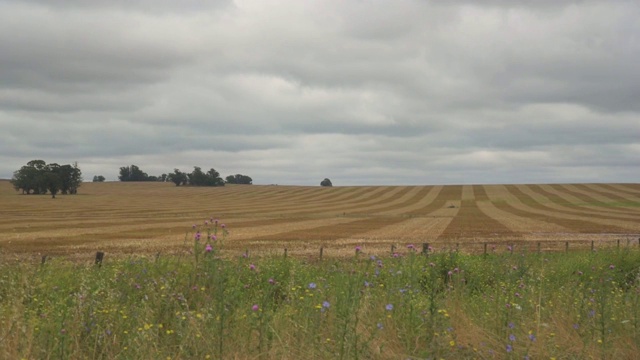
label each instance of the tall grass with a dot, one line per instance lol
(204, 305)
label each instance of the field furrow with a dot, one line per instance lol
(579, 203)
(472, 223)
(546, 213)
(525, 226)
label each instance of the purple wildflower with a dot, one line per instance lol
(358, 249)
(389, 307)
(208, 248)
(312, 285)
(512, 338)
(509, 348)
(255, 307)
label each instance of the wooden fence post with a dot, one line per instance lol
(44, 259)
(99, 258)
(246, 253)
(566, 246)
(485, 248)
(393, 249)
(618, 243)
(425, 248)
(285, 253)
(321, 249)
(592, 245)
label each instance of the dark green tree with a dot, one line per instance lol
(98, 178)
(239, 179)
(53, 178)
(177, 177)
(39, 178)
(326, 182)
(132, 173)
(213, 178)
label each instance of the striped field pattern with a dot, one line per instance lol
(155, 217)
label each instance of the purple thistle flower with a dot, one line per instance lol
(411, 247)
(197, 236)
(255, 307)
(358, 249)
(208, 248)
(214, 238)
(223, 226)
(271, 281)
(611, 267)
(252, 267)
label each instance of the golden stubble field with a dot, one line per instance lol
(147, 218)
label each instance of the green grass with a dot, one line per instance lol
(445, 305)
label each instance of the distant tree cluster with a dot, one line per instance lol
(195, 178)
(98, 178)
(133, 173)
(38, 177)
(239, 179)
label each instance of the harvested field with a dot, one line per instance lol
(157, 217)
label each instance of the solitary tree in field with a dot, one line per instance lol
(326, 182)
(98, 178)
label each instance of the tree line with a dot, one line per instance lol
(197, 177)
(38, 177)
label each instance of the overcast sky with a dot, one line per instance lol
(363, 92)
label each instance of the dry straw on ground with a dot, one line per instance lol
(155, 217)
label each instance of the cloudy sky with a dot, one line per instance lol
(364, 92)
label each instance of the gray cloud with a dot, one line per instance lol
(375, 92)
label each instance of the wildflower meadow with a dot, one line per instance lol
(206, 304)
